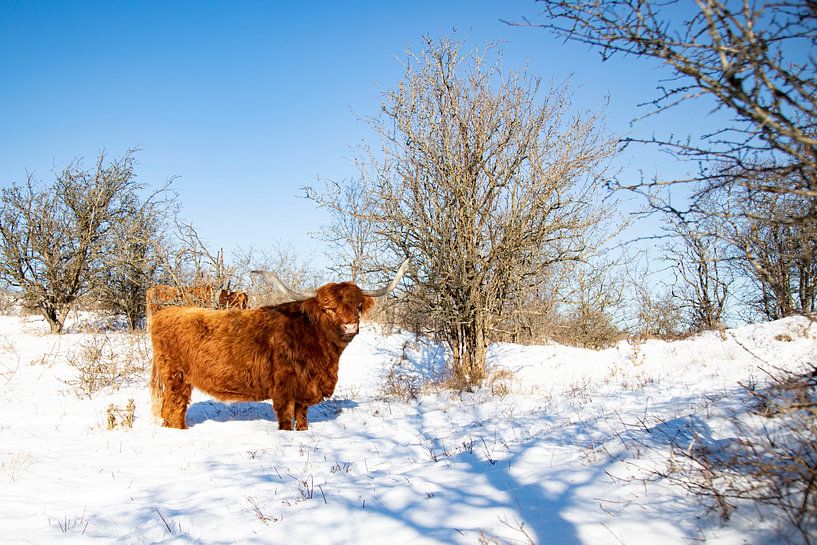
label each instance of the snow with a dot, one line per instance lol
(561, 448)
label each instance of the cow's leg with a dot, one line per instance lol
(300, 417)
(175, 400)
(285, 413)
(284, 394)
(283, 401)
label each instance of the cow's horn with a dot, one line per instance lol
(280, 286)
(386, 289)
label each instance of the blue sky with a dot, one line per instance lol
(246, 102)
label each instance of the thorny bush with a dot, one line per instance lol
(772, 460)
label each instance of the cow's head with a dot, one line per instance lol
(338, 306)
(232, 299)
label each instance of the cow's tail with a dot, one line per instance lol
(156, 390)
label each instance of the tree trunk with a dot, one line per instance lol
(469, 349)
(133, 319)
(478, 348)
(53, 320)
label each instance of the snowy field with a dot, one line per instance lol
(562, 448)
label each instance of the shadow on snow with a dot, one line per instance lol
(202, 411)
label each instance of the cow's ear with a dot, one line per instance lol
(368, 304)
(311, 308)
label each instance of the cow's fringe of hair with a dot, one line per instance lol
(156, 391)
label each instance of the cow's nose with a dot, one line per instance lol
(349, 329)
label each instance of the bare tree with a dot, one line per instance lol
(702, 279)
(595, 299)
(187, 262)
(535, 316)
(352, 237)
(51, 236)
(133, 257)
(776, 239)
(756, 60)
(655, 311)
(485, 185)
(296, 271)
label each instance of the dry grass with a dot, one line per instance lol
(400, 384)
(500, 382)
(121, 417)
(102, 363)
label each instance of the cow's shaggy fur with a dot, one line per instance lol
(288, 353)
(161, 296)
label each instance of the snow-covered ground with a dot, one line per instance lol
(560, 449)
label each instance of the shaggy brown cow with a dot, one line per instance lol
(287, 353)
(232, 299)
(161, 296)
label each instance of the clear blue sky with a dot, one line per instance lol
(246, 102)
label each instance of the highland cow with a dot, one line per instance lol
(161, 296)
(288, 353)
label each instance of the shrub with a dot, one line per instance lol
(101, 363)
(771, 460)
